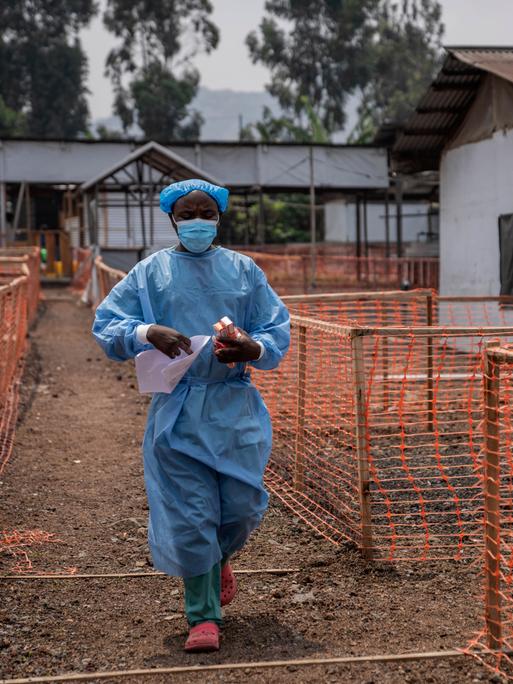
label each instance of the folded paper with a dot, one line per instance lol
(156, 372)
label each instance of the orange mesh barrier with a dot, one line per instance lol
(15, 261)
(494, 645)
(290, 274)
(107, 277)
(378, 438)
(83, 267)
(13, 332)
(415, 307)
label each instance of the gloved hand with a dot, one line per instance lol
(168, 340)
(240, 350)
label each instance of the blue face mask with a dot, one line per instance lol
(196, 235)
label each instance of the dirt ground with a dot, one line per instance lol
(76, 473)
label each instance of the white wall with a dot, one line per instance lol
(340, 221)
(476, 187)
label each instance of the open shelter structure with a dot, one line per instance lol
(120, 205)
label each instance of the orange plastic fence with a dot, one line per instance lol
(377, 418)
(415, 307)
(107, 277)
(13, 332)
(83, 266)
(15, 261)
(494, 645)
(378, 435)
(291, 274)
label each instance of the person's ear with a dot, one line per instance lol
(173, 222)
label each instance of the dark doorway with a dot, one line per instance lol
(506, 253)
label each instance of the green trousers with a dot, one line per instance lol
(203, 597)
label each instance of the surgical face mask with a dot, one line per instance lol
(196, 235)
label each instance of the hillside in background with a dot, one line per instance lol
(222, 111)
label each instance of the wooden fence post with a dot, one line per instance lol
(429, 369)
(299, 462)
(385, 353)
(491, 379)
(361, 444)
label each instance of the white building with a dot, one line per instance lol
(463, 126)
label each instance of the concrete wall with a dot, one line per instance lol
(340, 221)
(476, 187)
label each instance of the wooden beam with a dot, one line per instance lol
(456, 86)
(428, 131)
(439, 110)
(252, 665)
(361, 445)
(299, 461)
(492, 498)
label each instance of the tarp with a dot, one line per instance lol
(491, 111)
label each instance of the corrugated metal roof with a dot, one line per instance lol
(170, 164)
(442, 109)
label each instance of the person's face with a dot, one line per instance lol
(196, 204)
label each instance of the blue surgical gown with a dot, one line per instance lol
(207, 443)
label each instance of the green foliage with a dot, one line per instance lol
(161, 103)
(404, 60)
(42, 66)
(105, 133)
(11, 123)
(286, 218)
(158, 39)
(285, 129)
(316, 51)
(321, 51)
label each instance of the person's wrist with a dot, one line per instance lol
(142, 333)
(256, 351)
(148, 333)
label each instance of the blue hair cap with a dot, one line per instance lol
(169, 195)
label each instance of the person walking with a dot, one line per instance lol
(206, 444)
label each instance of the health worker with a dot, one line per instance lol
(207, 443)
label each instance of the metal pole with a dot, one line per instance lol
(365, 227)
(17, 211)
(151, 196)
(141, 205)
(3, 217)
(399, 217)
(97, 218)
(358, 238)
(129, 237)
(313, 223)
(261, 219)
(387, 225)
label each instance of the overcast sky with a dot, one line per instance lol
(468, 22)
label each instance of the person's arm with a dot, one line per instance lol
(269, 323)
(267, 339)
(117, 319)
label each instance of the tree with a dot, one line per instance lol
(285, 129)
(316, 51)
(320, 51)
(42, 66)
(11, 123)
(158, 38)
(405, 58)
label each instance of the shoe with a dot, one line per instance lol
(228, 585)
(203, 638)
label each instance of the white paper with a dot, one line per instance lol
(156, 372)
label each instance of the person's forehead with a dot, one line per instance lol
(194, 199)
